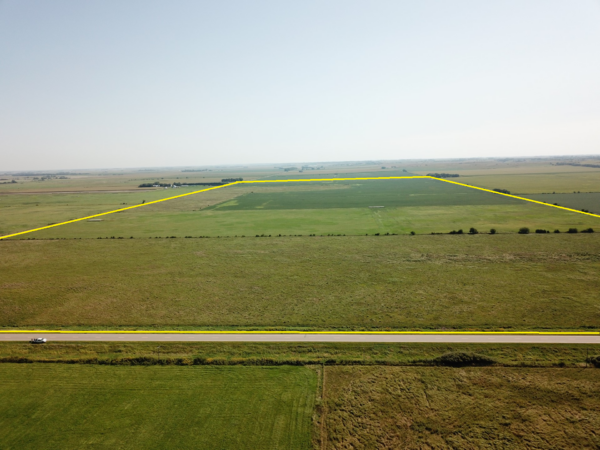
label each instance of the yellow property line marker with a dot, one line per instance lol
(291, 181)
(545, 333)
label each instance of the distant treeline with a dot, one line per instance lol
(202, 183)
(195, 170)
(443, 175)
(594, 166)
(38, 174)
(502, 191)
(146, 185)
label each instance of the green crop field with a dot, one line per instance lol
(361, 194)
(78, 406)
(398, 282)
(487, 408)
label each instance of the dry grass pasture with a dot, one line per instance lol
(481, 282)
(460, 408)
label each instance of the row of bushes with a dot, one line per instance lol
(451, 359)
(443, 175)
(472, 231)
(526, 230)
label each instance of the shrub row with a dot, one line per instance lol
(472, 231)
(451, 359)
(462, 359)
(594, 361)
(525, 230)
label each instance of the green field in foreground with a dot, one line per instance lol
(75, 406)
(443, 408)
(481, 282)
(419, 205)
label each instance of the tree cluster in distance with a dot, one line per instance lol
(144, 185)
(502, 191)
(443, 175)
(231, 180)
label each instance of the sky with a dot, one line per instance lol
(112, 83)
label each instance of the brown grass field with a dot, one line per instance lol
(459, 408)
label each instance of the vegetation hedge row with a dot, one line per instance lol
(594, 361)
(461, 359)
(443, 175)
(451, 359)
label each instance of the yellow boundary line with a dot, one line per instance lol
(290, 181)
(545, 333)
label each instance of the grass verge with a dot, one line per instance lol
(233, 353)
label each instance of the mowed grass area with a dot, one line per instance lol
(419, 205)
(399, 282)
(76, 406)
(448, 408)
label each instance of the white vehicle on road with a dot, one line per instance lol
(38, 341)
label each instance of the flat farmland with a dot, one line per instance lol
(301, 208)
(399, 282)
(79, 406)
(26, 211)
(566, 182)
(445, 408)
(583, 200)
(520, 176)
(362, 194)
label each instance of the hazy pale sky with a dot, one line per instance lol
(90, 84)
